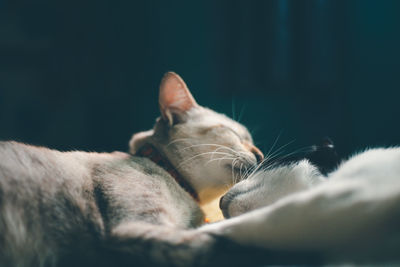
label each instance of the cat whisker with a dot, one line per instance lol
(241, 112)
(273, 145)
(216, 150)
(219, 147)
(276, 155)
(248, 171)
(229, 154)
(198, 155)
(219, 160)
(259, 166)
(305, 149)
(216, 145)
(282, 147)
(237, 172)
(267, 157)
(233, 171)
(233, 109)
(271, 156)
(269, 161)
(242, 156)
(230, 149)
(245, 157)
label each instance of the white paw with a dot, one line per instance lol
(268, 186)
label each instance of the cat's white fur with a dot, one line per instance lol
(267, 186)
(354, 215)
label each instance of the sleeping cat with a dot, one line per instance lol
(352, 215)
(78, 208)
(115, 209)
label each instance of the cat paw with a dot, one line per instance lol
(265, 187)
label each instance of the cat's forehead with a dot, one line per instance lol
(207, 118)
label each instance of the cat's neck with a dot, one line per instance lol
(151, 152)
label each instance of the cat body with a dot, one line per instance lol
(56, 205)
(107, 209)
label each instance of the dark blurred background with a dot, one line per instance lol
(85, 74)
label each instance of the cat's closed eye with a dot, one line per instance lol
(224, 128)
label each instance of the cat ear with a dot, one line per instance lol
(138, 140)
(175, 98)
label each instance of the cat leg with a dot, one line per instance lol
(333, 219)
(142, 244)
(265, 187)
(354, 214)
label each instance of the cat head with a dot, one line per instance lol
(211, 151)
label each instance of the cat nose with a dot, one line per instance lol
(259, 155)
(257, 152)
